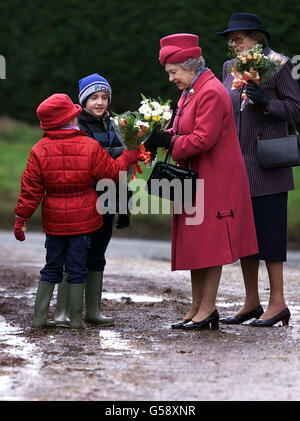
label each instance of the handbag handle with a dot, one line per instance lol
(290, 120)
(169, 155)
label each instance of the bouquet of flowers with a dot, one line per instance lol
(134, 128)
(133, 132)
(254, 65)
(156, 111)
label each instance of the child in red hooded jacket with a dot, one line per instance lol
(60, 172)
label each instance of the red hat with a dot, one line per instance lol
(56, 111)
(178, 48)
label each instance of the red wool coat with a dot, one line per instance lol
(60, 171)
(208, 138)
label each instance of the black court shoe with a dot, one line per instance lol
(211, 322)
(237, 320)
(283, 317)
(180, 325)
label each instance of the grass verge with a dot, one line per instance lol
(16, 140)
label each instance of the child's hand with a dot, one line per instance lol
(19, 228)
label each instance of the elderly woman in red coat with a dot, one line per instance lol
(204, 133)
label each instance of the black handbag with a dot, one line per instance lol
(173, 182)
(280, 152)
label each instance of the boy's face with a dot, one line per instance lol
(97, 103)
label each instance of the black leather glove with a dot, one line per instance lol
(158, 140)
(257, 95)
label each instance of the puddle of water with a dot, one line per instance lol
(33, 264)
(17, 347)
(120, 296)
(28, 293)
(222, 303)
(112, 341)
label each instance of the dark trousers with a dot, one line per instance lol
(99, 241)
(66, 253)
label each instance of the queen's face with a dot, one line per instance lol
(178, 75)
(240, 42)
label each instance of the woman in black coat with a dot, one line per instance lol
(266, 117)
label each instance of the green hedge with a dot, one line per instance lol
(49, 46)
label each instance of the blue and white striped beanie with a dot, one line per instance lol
(90, 84)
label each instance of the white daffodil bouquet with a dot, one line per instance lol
(157, 111)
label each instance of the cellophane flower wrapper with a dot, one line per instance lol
(132, 133)
(254, 65)
(158, 112)
(131, 130)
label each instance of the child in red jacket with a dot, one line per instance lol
(60, 172)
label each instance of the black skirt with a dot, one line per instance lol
(270, 215)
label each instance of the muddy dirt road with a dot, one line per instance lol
(141, 358)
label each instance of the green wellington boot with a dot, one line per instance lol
(76, 306)
(42, 303)
(62, 313)
(93, 292)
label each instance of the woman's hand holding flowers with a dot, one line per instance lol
(252, 67)
(158, 140)
(257, 95)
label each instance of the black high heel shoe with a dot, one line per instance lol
(283, 317)
(180, 325)
(237, 320)
(211, 322)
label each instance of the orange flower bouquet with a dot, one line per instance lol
(254, 65)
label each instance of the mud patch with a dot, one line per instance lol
(6, 361)
(141, 357)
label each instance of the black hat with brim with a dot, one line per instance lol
(244, 22)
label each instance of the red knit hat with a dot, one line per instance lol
(56, 111)
(178, 48)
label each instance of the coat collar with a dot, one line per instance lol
(63, 134)
(196, 88)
